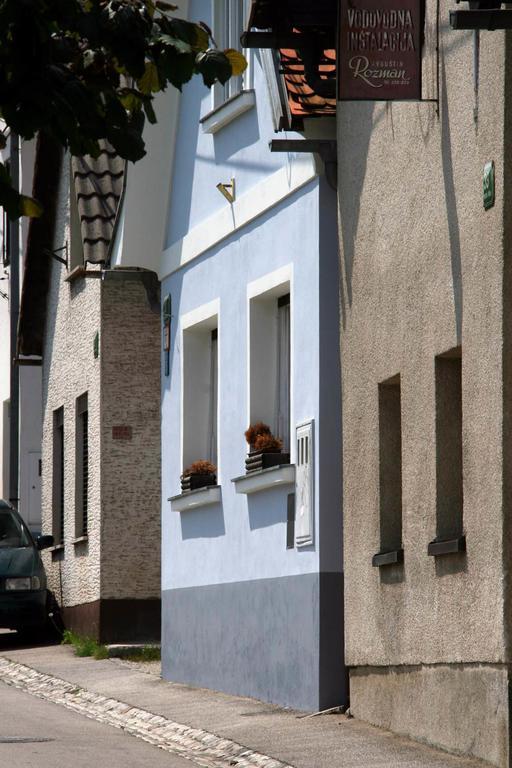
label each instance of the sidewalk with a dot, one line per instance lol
(328, 741)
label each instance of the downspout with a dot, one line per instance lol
(14, 299)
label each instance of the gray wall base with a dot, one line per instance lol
(463, 708)
(261, 638)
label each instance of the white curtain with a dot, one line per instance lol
(212, 431)
(282, 425)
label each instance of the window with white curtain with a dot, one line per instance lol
(282, 422)
(228, 27)
(212, 427)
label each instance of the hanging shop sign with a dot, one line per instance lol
(380, 50)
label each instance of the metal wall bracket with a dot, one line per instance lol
(326, 148)
(53, 254)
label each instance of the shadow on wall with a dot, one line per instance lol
(452, 216)
(356, 130)
(203, 523)
(267, 508)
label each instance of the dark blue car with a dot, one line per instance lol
(23, 593)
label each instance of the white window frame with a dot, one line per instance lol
(203, 321)
(229, 18)
(269, 288)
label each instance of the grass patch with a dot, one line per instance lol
(147, 653)
(84, 646)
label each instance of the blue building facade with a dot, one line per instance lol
(252, 572)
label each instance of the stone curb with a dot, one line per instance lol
(200, 747)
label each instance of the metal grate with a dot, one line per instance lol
(85, 471)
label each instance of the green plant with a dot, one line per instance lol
(147, 653)
(84, 646)
(256, 430)
(201, 467)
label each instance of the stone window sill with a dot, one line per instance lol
(80, 540)
(79, 272)
(394, 557)
(228, 111)
(447, 546)
(202, 497)
(264, 479)
(56, 548)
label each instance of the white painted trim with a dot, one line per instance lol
(203, 497)
(229, 219)
(200, 314)
(197, 316)
(273, 477)
(270, 280)
(229, 111)
(257, 288)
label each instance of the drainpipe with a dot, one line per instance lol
(14, 300)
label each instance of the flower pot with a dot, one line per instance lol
(258, 460)
(194, 482)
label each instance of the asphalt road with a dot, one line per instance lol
(72, 740)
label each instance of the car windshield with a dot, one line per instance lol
(12, 531)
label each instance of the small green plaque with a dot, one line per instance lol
(489, 185)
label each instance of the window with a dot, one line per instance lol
(76, 254)
(449, 489)
(58, 476)
(228, 27)
(200, 392)
(270, 371)
(282, 421)
(390, 465)
(82, 467)
(6, 231)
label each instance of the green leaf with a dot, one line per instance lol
(163, 6)
(149, 82)
(30, 207)
(237, 60)
(214, 66)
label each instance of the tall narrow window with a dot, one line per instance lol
(228, 27)
(282, 422)
(200, 392)
(449, 488)
(212, 447)
(58, 476)
(6, 231)
(390, 473)
(82, 467)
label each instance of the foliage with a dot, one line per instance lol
(86, 70)
(146, 653)
(201, 467)
(84, 646)
(254, 430)
(267, 443)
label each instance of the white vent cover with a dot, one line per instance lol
(304, 499)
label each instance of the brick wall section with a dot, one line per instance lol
(69, 370)
(121, 558)
(130, 364)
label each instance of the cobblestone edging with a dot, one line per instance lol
(200, 747)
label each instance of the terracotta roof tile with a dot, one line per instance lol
(303, 100)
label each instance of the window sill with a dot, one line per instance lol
(80, 540)
(395, 557)
(56, 548)
(447, 546)
(79, 272)
(202, 497)
(228, 111)
(263, 479)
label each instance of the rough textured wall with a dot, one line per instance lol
(69, 370)
(130, 385)
(422, 273)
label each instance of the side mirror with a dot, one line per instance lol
(43, 542)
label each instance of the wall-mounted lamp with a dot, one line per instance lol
(228, 191)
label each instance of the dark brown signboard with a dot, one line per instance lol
(380, 50)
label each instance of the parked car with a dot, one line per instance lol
(23, 592)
